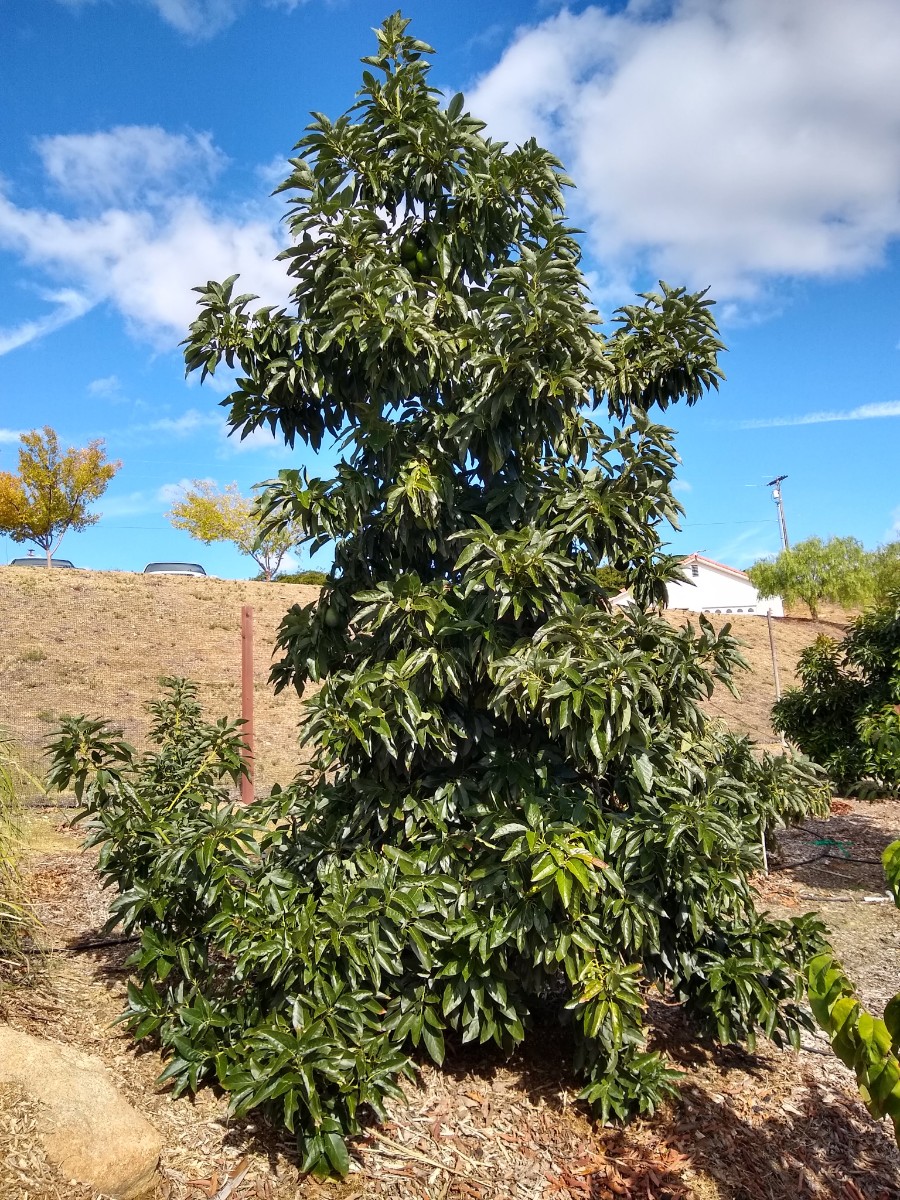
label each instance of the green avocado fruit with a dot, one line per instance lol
(408, 249)
(332, 619)
(421, 260)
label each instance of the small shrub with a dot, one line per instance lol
(310, 578)
(32, 655)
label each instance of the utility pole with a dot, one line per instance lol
(775, 485)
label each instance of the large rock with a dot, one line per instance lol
(89, 1131)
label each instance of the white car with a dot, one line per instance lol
(173, 568)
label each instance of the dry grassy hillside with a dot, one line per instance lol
(98, 642)
(749, 712)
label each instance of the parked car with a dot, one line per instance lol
(33, 561)
(173, 568)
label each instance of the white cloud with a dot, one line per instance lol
(109, 385)
(681, 487)
(723, 142)
(199, 19)
(69, 306)
(169, 493)
(864, 412)
(8, 437)
(191, 421)
(144, 262)
(117, 165)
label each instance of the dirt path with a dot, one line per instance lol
(770, 1126)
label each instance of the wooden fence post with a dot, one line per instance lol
(247, 701)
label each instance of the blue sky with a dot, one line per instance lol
(749, 145)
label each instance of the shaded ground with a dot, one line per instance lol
(771, 1126)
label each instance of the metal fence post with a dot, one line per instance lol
(247, 700)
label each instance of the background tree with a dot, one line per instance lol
(53, 490)
(837, 571)
(515, 809)
(885, 567)
(846, 712)
(211, 516)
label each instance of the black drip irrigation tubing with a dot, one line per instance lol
(789, 866)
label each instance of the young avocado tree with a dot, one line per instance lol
(845, 715)
(515, 805)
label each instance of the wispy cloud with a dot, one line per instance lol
(198, 20)
(9, 437)
(864, 412)
(747, 547)
(681, 487)
(191, 421)
(70, 305)
(109, 385)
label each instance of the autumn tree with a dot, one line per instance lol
(210, 515)
(53, 490)
(837, 571)
(515, 808)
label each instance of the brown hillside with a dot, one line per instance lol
(749, 712)
(97, 643)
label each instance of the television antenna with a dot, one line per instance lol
(775, 485)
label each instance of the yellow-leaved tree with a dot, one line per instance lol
(210, 516)
(53, 490)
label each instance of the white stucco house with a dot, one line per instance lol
(710, 586)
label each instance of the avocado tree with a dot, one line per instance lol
(845, 713)
(514, 804)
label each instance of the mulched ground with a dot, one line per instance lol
(771, 1126)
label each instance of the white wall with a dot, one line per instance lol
(718, 591)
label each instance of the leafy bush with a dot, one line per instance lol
(846, 713)
(298, 963)
(310, 578)
(514, 801)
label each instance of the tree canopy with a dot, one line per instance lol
(515, 808)
(53, 490)
(845, 714)
(838, 571)
(211, 515)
